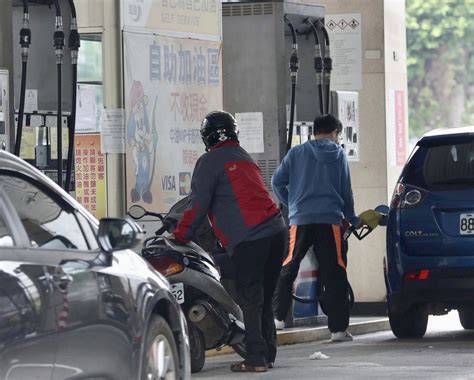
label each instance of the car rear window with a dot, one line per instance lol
(441, 167)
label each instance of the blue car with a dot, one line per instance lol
(429, 267)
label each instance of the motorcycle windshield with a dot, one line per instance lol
(178, 209)
(205, 236)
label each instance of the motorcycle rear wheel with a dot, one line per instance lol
(197, 347)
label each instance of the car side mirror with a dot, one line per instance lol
(117, 234)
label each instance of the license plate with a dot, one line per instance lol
(466, 224)
(178, 292)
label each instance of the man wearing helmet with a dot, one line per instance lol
(228, 187)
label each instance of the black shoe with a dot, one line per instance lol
(245, 367)
(270, 365)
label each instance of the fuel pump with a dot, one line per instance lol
(74, 44)
(43, 118)
(25, 40)
(294, 65)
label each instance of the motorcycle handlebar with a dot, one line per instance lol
(161, 230)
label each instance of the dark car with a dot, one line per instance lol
(75, 302)
(429, 268)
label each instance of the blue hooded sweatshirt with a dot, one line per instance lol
(314, 182)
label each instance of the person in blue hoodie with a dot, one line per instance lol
(314, 183)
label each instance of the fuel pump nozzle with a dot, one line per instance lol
(58, 37)
(74, 38)
(25, 33)
(294, 60)
(25, 41)
(318, 65)
(293, 66)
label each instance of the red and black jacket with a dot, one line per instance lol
(228, 187)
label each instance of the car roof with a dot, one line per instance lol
(449, 131)
(446, 135)
(11, 162)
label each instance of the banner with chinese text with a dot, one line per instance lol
(170, 85)
(90, 174)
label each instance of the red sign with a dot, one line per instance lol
(90, 174)
(400, 128)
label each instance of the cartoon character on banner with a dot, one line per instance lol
(143, 139)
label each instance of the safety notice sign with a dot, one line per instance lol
(346, 50)
(251, 131)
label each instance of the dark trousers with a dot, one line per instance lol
(331, 253)
(257, 266)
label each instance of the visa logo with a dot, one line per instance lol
(168, 183)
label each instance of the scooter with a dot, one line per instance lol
(199, 281)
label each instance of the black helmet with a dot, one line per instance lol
(218, 126)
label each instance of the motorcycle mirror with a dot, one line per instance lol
(383, 209)
(137, 212)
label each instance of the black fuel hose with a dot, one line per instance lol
(72, 130)
(59, 126)
(73, 9)
(25, 41)
(309, 301)
(58, 41)
(327, 67)
(58, 8)
(21, 109)
(74, 44)
(318, 66)
(294, 75)
(292, 117)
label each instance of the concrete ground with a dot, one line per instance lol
(446, 352)
(295, 335)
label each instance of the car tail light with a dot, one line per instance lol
(406, 196)
(397, 194)
(422, 274)
(166, 265)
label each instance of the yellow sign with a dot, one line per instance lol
(198, 17)
(90, 174)
(27, 151)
